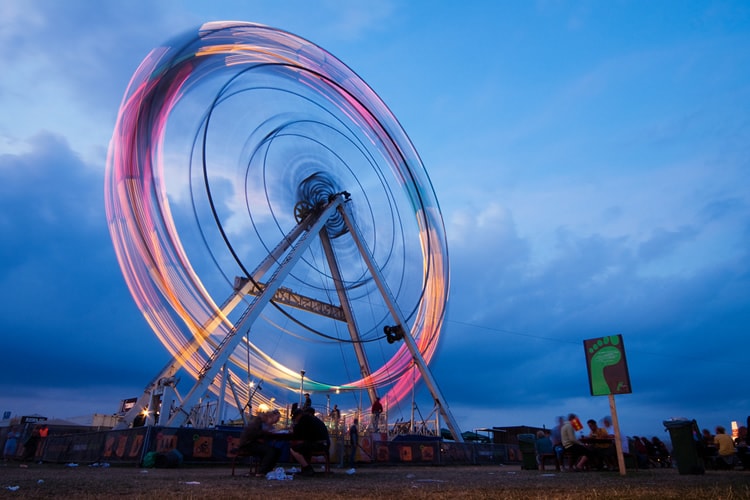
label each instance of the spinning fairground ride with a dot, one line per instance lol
(273, 220)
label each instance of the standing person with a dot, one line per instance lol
(572, 445)
(43, 433)
(376, 410)
(354, 441)
(309, 435)
(11, 443)
(29, 447)
(308, 401)
(256, 440)
(335, 418)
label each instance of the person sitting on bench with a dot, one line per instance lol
(257, 440)
(309, 436)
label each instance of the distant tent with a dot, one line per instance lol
(60, 421)
(468, 436)
(473, 436)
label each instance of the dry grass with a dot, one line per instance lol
(454, 482)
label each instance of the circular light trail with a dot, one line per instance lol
(223, 136)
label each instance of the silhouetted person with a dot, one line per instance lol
(29, 451)
(353, 440)
(309, 435)
(257, 440)
(376, 410)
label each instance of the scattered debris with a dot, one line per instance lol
(279, 475)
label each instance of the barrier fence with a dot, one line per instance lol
(215, 446)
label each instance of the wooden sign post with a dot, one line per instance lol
(618, 441)
(608, 375)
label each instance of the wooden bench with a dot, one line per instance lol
(326, 459)
(254, 461)
(545, 457)
(567, 453)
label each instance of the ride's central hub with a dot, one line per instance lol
(313, 193)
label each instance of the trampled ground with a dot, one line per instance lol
(381, 482)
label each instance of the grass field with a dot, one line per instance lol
(368, 482)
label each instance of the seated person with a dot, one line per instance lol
(639, 450)
(256, 440)
(309, 435)
(706, 447)
(664, 458)
(604, 452)
(557, 439)
(543, 445)
(741, 439)
(568, 434)
(651, 452)
(741, 444)
(725, 448)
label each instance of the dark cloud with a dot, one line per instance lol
(514, 336)
(66, 314)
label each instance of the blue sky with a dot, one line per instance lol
(591, 159)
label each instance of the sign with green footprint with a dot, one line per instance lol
(607, 367)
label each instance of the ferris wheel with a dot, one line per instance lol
(273, 220)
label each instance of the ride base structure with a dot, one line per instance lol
(162, 392)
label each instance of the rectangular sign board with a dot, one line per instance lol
(606, 365)
(33, 419)
(127, 404)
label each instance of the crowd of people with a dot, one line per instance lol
(596, 448)
(722, 451)
(589, 447)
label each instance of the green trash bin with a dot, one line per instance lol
(686, 445)
(527, 445)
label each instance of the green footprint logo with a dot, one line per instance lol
(604, 353)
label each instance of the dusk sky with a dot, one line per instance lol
(591, 160)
